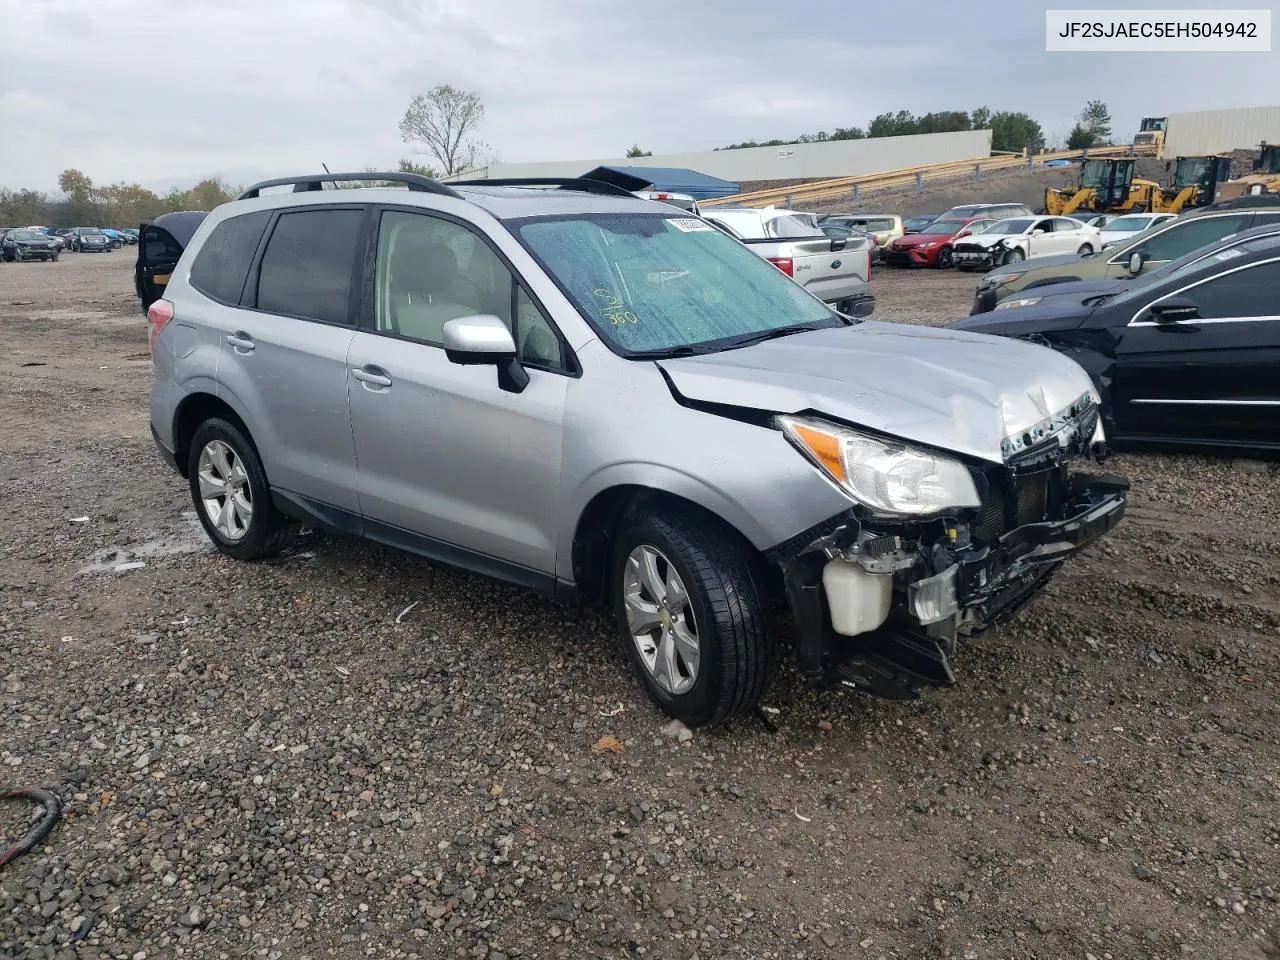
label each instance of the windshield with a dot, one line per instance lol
(27, 235)
(1123, 224)
(948, 227)
(1009, 226)
(652, 284)
(90, 232)
(789, 227)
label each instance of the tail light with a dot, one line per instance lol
(784, 264)
(158, 314)
(868, 264)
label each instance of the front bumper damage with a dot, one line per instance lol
(938, 580)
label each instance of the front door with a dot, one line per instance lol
(444, 453)
(1211, 377)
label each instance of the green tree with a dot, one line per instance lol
(1096, 119)
(421, 169)
(980, 119)
(1079, 138)
(24, 208)
(1015, 131)
(445, 120)
(207, 194)
(635, 151)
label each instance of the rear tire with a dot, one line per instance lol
(1085, 248)
(231, 495)
(707, 653)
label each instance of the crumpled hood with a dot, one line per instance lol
(957, 391)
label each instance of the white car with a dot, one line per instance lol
(1021, 238)
(1122, 228)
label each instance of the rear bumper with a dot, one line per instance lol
(862, 305)
(165, 453)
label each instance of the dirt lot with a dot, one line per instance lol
(283, 760)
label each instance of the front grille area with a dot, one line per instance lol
(1013, 500)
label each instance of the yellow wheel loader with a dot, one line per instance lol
(1196, 182)
(1106, 186)
(1264, 179)
(1150, 136)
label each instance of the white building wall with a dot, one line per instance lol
(796, 161)
(1218, 131)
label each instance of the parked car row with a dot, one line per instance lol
(1176, 325)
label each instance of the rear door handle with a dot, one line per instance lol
(374, 378)
(240, 341)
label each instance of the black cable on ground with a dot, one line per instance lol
(52, 811)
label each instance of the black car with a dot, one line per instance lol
(160, 245)
(1187, 356)
(90, 240)
(28, 245)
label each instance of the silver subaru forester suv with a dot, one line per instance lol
(567, 387)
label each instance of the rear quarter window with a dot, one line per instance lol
(222, 264)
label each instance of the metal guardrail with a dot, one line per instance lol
(904, 176)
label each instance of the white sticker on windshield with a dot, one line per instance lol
(690, 224)
(1227, 254)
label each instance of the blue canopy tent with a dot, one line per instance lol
(700, 186)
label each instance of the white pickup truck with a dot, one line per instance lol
(837, 270)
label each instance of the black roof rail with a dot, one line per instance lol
(1248, 200)
(315, 181)
(568, 183)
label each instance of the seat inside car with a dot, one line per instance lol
(425, 291)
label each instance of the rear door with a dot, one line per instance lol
(283, 349)
(158, 254)
(1212, 376)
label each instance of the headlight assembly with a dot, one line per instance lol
(885, 476)
(1020, 302)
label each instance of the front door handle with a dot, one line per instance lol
(240, 341)
(374, 378)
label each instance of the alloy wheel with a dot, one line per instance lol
(224, 489)
(661, 619)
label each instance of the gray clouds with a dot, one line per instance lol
(154, 91)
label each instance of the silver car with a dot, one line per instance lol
(569, 388)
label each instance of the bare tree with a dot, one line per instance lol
(444, 120)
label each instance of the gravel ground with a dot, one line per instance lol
(284, 760)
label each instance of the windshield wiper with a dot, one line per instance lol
(668, 353)
(748, 339)
(1096, 299)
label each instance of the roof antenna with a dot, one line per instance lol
(327, 170)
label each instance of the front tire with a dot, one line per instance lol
(1014, 256)
(690, 615)
(945, 260)
(231, 495)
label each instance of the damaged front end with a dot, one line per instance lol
(879, 602)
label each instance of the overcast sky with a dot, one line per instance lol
(168, 91)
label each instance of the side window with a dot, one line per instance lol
(1063, 225)
(432, 270)
(158, 247)
(1185, 237)
(307, 266)
(1266, 219)
(1042, 226)
(223, 262)
(1245, 293)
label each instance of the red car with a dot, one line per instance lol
(931, 247)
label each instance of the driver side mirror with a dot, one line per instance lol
(485, 339)
(1136, 261)
(1174, 310)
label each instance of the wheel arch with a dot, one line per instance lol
(599, 520)
(195, 409)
